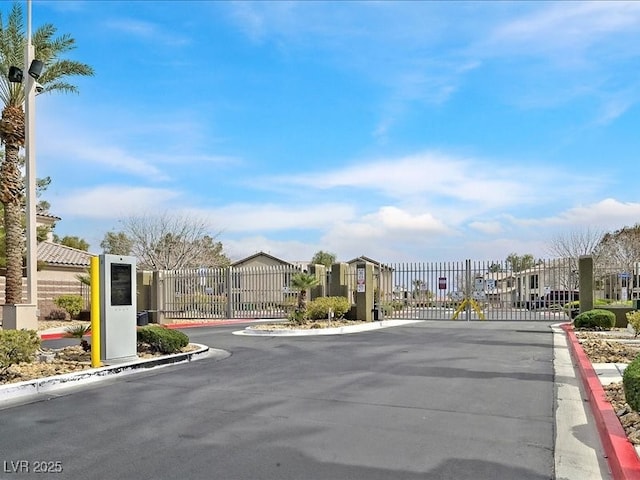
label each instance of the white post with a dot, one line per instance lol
(30, 154)
(25, 315)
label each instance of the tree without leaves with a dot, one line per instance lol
(173, 242)
(48, 49)
(620, 248)
(575, 244)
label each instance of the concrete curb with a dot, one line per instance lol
(292, 332)
(621, 454)
(13, 391)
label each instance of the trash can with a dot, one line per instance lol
(142, 318)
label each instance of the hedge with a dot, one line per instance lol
(595, 319)
(319, 308)
(161, 339)
(631, 384)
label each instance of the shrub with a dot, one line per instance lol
(79, 331)
(161, 339)
(634, 320)
(595, 319)
(298, 316)
(394, 306)
(57, 314)
(17, 346)
(319, 308)
(631, 384)
(71, 303)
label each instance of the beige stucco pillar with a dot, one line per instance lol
(320, 272)
(585, 269)
(364, 291)
(339, 286)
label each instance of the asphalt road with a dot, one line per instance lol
(432, 400)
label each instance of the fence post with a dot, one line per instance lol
(320, 272)
(364, 291)
(229, 292)
(585, 271)
(158, 297)
(339, 286)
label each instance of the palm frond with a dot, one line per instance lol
(62, 69)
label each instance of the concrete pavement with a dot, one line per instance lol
(577, 452)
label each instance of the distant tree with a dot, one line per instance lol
(576, 243)
(620, 248)
(171, 242)
(520, 262)
(323, 258)
(116, 243)
(421, 290)
(73, 242)
(495, 267)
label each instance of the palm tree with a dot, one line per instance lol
(12, 132)
(303, 282)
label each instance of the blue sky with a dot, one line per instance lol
(417, 131)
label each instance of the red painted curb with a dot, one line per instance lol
(57, 336)
(216, 323)
(621, 455)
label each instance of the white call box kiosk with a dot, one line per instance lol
(117, 308)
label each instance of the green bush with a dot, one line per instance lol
(631, 384)
(389, 307)
(161, 339)
(71, 303)
(595, 319)
(297, 317)
(634, 320)
(17, 346)
(319, 308)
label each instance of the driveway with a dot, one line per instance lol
(432, 400)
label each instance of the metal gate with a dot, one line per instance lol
(471, 290)
(218, 293)
(465, 290)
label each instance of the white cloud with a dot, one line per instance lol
(562, 26)
(272, 217)
(608, 214)
(487, 227)
(113, 201)
(147, 31)
(434, 175)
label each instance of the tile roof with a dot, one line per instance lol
(61, 255)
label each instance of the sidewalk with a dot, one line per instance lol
(609, 373)
(622, 456)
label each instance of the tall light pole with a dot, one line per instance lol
(25, 315)
(30, 161)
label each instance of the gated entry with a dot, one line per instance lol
(471, 290)
(424, 291)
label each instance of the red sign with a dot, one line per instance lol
(442, 283)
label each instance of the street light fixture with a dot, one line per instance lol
(35, 69)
